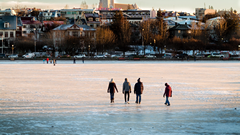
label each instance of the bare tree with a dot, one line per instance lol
(105, 39)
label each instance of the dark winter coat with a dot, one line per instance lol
(138, 88)
(112, 87)
(168, 91)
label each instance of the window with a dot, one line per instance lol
(63, 13)
(75, 33)
(1, 33)
(11, 34)
(91, 25)
(69, 13)
(24, 26)
(6, 25)
(24, 32)
(90, 19)
(74, 12)
(97, 19)
(6, 34)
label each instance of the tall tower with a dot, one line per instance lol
(105, 3)
(112, 5)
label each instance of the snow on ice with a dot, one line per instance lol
(68, 98)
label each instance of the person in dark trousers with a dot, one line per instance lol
(126, 90)
(82, 59)
(54, 62)
(74, 60)
(111, 89)
(138, 90)
(167, 93)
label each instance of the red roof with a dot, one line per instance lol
(29, 20)
(45, 23)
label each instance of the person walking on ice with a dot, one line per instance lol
(138, 90)
(111, 89)
(126, 90)
(167, 93)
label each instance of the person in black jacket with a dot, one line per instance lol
(138, 90)
(111, 89)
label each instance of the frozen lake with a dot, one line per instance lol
(68, 98)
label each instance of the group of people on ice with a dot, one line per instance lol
(138, 90)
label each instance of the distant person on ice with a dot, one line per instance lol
(168, 93)
(111, 89)
(74, 60)
(47, 60)
(138, 90)
(126, 90)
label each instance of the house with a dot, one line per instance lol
(201, 12)
(48, 15)
(30, 25)
(8, 27)
(93, 20)
(75, 13)
(8, 12)
(79, 31)
(133, 16)
(180, 31)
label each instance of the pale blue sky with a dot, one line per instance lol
(175, 5)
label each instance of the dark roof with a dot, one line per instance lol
(180, 27)
(67, 26)
(12, 20)
(92, 15)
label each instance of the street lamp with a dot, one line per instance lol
(238, 47)
(154, 41)
(2, 43)
(35, 39)
(143, 41)
(88, 50)
(12, 49)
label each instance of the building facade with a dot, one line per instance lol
(79, 31)
(8, 27)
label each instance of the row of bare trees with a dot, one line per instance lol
(221, 35)
(119, 35)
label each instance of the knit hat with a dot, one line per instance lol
(112, 80)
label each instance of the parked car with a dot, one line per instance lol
(13, 56)
(100, 56)
(79, 56)
(28, 55)
(167, 56)
(116, 56)
(200, 55)
(150, 56)
(216, 55)
(183, 55)
(2, 55)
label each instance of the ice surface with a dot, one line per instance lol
(68, 98)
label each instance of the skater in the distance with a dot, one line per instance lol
(74, 60)
(138, 90)
(47, 60)
(111, 89)
(126, 90)
(167, 93)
